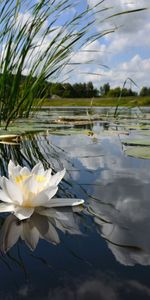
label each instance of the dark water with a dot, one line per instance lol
(104, 248)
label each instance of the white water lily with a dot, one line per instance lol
(26, 190)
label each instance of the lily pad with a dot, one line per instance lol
(12, 139)
(69, 131)
(143, 132)
(9, 136)
(138, 152)
(136, 142)
(137, 126)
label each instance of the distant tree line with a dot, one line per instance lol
(106, 91)
(65, 90)
(145, 91)
(83, 90)
(87, 90)
(77, 90)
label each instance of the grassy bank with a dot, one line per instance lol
(128, 101)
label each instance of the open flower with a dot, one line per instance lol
(26, 190)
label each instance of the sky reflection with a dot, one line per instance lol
(84, 254)
(123, 219)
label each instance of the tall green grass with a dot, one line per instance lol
(38, 39)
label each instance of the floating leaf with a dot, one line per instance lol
(143, 132)
(12, 139)
(138, 152)
(136, 142)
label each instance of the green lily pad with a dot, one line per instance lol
(137, 126)
(136, 142)
(144, 132)
(69, 131)
(138, 152)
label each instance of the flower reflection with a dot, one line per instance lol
(39, 226)
(27, 190)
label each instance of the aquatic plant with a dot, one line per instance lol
(26, 191)
(37, 40)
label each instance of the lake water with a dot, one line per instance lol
(100, 250)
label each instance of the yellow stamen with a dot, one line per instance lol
(20, 178)
(40, 178)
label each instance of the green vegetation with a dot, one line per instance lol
(107, 91)
(145, 91)
(138, 152)
(87, 90)
(128, 101)
(36, 40)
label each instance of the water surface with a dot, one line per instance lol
(100, 251)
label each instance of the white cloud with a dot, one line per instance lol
(125, 51)
(137, 68)
(94, 51)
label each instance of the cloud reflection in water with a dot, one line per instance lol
(123, 219)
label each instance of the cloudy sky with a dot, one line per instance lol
(113, 58)
(126, 52)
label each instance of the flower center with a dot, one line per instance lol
(27, 203)
(30, 189)
(21, 178)
(40, 178)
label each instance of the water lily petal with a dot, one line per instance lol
(23, 212)
(46, 230)
(55, 179)
(10, 233)
(13, 170)
(30, 185)
(12, 190)
(30, 234)
(48, 175)
(4, 197)
(40, 222)
(24, 171)
(59, 226)
(42, 198)
(51, 235)
(11, 167)
(52, 213)
(38, 169)
(6, 207)
(59, 202)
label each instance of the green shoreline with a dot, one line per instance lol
(128, 101)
